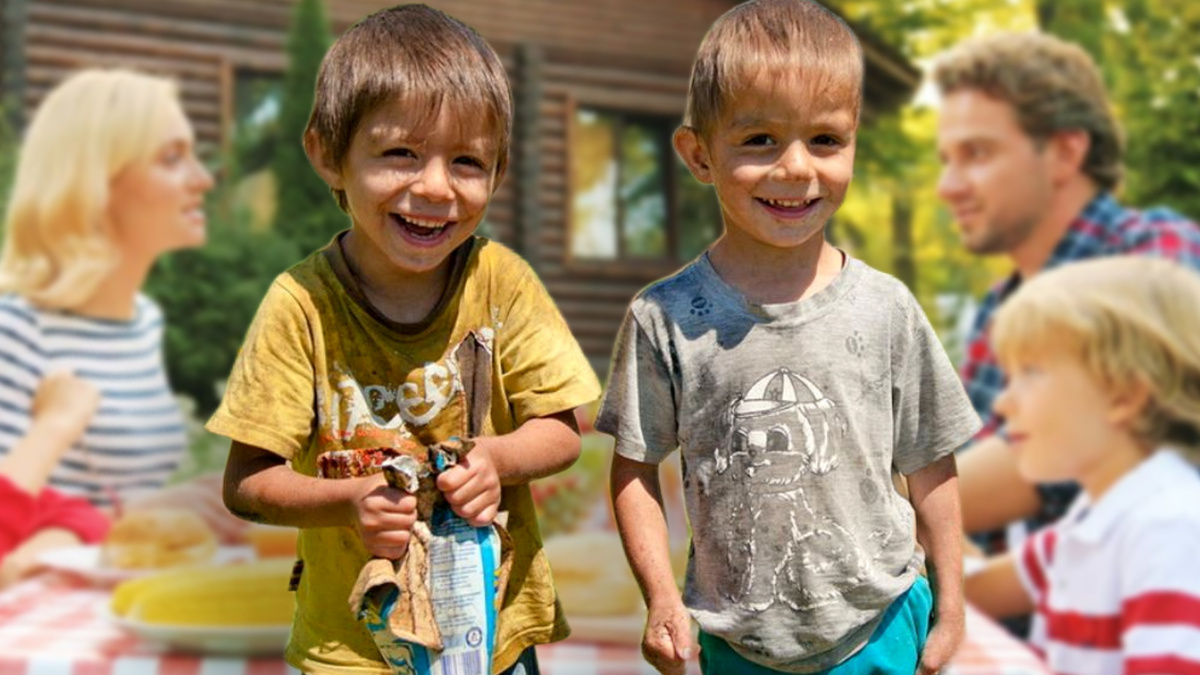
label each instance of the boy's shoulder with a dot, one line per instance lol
(682, 285)
(490, 257)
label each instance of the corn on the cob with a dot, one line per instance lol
(250, 594)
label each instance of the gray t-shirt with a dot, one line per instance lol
(791, 419)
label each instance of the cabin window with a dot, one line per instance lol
(631, 196)
(255, 142)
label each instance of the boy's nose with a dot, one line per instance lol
(796, 162)
(1003, 403)
(433, 182)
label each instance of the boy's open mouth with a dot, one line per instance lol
(788, 207)
(423, 230)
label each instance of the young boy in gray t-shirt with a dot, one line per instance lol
(795, 380)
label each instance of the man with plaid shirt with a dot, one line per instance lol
(1031, 153)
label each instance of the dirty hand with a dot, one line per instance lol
(943, 641)
(384, 517)
(667, 643)
(472, 487)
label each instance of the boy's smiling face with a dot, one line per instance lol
(1064, 424)
(780, 157)
(416, 188)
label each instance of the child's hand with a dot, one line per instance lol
(667, 642)
(473, 485)
(384, 518)
(67, 402)
(943, 641)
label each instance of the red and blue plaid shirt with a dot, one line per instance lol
(1103, 228)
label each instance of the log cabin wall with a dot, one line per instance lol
(627, 56)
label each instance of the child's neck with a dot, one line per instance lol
(769, 276)
(1123, 455)
(402, 297)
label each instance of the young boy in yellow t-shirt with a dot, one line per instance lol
(375, 341)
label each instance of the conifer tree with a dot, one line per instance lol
(306, 212)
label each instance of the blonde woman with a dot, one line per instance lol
(107, 180)
(1103, 359)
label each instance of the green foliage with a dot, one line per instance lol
(8, 162)
(306, 214)
(209, 295)
(1157, 93)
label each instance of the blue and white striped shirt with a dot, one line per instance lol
(137, 437)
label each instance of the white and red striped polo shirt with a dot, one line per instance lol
(1117, 583)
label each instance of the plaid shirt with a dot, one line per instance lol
(1104, 228)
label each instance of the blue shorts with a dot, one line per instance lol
(894, 648)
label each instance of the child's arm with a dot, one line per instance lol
(62, 408)
(934, 494)
(637, 504)
(540, 447)
(260, 487)
(996, 590)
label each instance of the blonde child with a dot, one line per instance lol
(1103, 361)
(794, 380)
(358, 346)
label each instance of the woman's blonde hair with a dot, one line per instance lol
(1129, 319)
(90, 127)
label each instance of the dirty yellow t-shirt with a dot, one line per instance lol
(321, 370)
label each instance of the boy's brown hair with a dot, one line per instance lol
(1130, 320)
(772, 38)
(416, 53)
(1052, 86)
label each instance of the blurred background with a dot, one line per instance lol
(596, 199)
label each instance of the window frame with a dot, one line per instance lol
(623, 263)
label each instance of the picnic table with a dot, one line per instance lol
(56, 625)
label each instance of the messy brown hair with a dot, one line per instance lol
(416, 54)
(1052, 85)
(772, 38)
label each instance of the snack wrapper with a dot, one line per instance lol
(433, 612)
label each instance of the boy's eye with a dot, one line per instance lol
(471, 161)
(398, 152)
(826, 140)
(759, 139)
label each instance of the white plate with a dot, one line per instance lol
(84, 561)
(223, 640)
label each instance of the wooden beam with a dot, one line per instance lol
(12, 59)
(528, 134)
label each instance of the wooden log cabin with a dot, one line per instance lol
(595, 200)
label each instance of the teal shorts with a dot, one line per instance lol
(894, 648)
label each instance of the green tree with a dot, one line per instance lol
(306, 214)
(1157, 93)
(209, 296)
(8, 162)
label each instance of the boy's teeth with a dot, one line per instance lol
(423, 223)
(787, 203)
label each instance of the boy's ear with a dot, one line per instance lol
(694, 153)
(315, 149)
(1129, 401)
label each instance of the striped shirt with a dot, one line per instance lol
(1116, 584)
(137, 437)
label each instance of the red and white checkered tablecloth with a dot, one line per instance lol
(50, 626)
